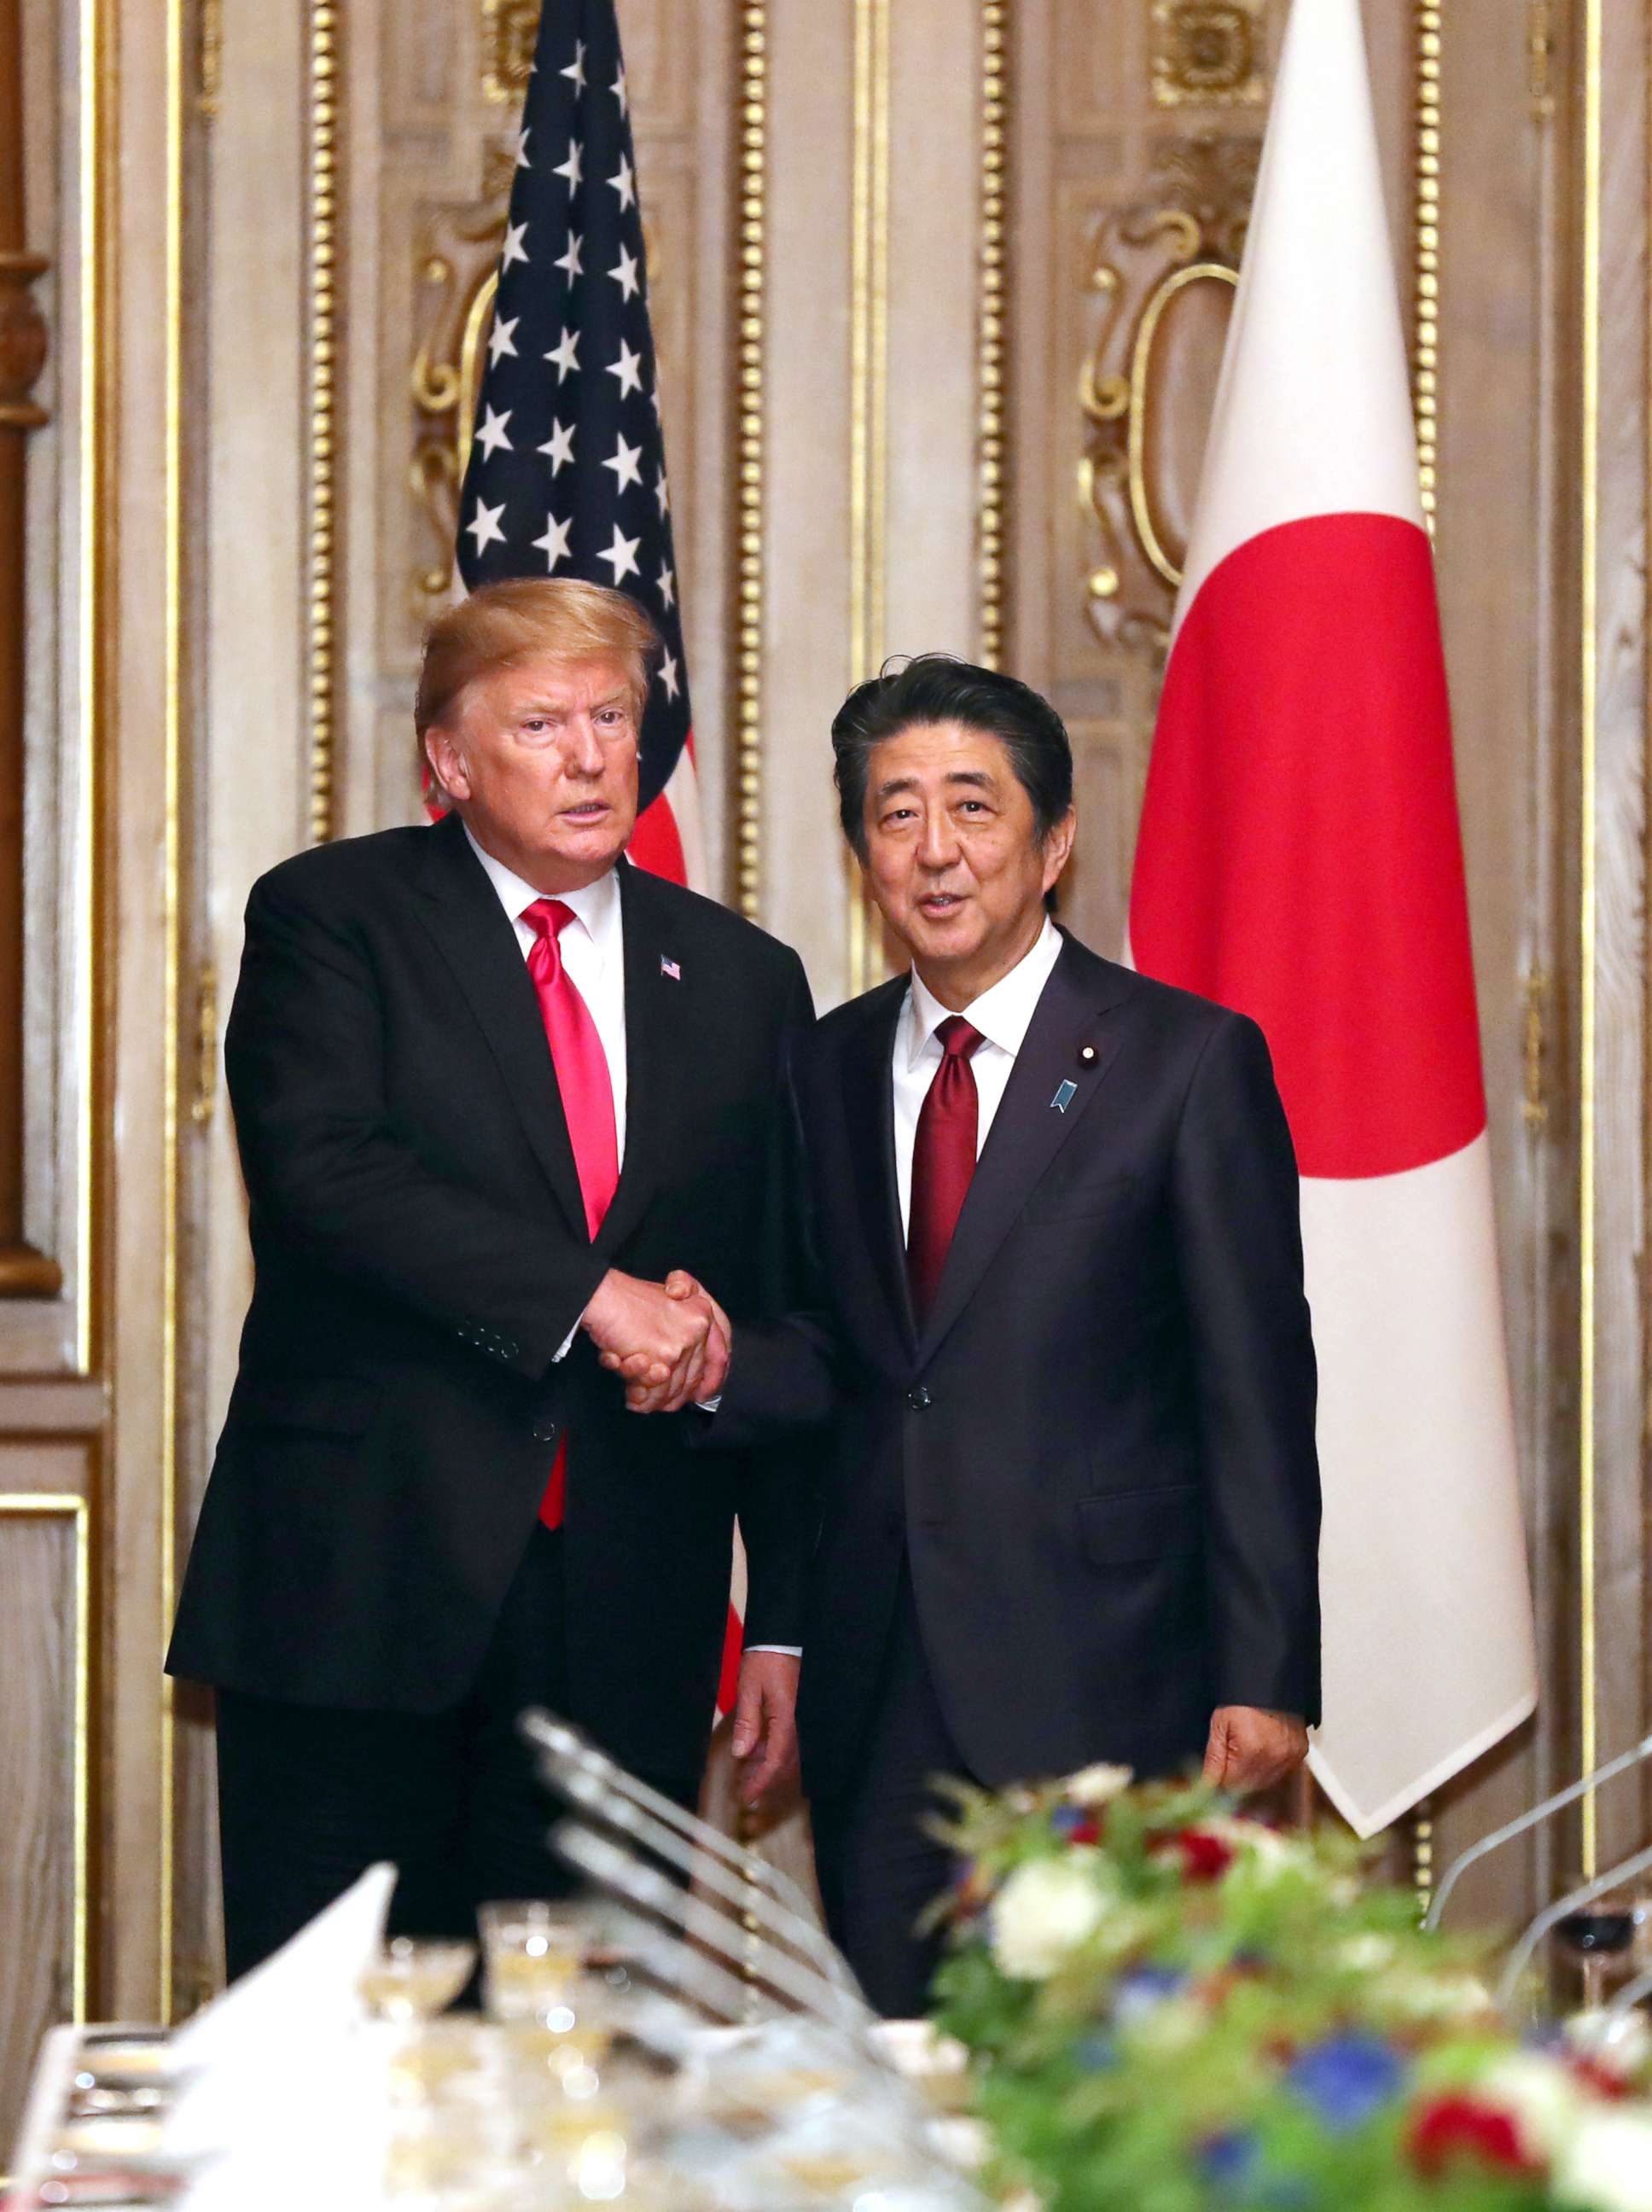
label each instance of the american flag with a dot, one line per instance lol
(566, 474)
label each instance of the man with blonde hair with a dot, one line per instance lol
(492, 1084)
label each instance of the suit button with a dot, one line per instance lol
(919, 1399)
(544, 1435)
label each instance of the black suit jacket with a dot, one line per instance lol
(421, 1254)
(1098, 1453)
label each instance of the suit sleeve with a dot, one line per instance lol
(1239, 1252)
(777, 1485)
(328, 1174)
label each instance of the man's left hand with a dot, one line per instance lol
(765, 1722)
(1251, 1749)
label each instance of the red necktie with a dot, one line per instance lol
(588, 1094)
(943, 1161)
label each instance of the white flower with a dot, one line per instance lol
(1541, 2098)
(1608, 2165)
(1439, 1997)
(1624, 2044)
(1044, 1913)
(1095, 1785)
(1366, 1952)
(1269, 1852)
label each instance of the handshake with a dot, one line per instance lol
(668, 1341)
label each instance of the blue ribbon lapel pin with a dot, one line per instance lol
(1065, 1092)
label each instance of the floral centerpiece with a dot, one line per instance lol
(1171, 2009)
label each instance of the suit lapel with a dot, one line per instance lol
(1075, 1014)
(659, 1045)
(473, 933)
(869, 1114)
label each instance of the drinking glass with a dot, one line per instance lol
(413, 1979)
(532, 1950)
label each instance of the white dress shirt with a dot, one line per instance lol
(1002, 1015)
(594, 956)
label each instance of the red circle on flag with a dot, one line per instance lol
(1299, 856)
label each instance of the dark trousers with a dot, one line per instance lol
(877, 1867)
(309, 1797)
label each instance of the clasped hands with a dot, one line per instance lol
(668, 1341)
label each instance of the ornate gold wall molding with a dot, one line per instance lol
(868, 416)
(1210, 53)
(1589, 510)
(458, 273)
(991, 354)
(509, 28)
(753, 108)
(1148, 260)
(321, 642)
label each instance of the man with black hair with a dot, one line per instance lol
(1072, 1501)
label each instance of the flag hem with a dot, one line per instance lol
(1407, 1795)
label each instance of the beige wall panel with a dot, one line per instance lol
(1619, 648)
(805, 511)
(933, 296)
(44, 1599)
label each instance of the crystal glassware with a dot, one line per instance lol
(413, 1979)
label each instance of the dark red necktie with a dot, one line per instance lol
(588, 1094)
(943, 1160)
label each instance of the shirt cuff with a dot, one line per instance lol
(787, 1650)
(710, 1406)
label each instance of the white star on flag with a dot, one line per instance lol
(575, 69)
(625, 274)
(662, 493)
(625, 184)
(620, 92)
(483, 525)
(668, 675)
(559, 447)
(653, 401)
(501, 340)
(622, 555)
(491, 435)
(628, 368)
(570, 168)
(522, 161)
(570, 261)
(514, 249)
(554, 544)
(624, 464)
(565, 354)
(667, 586)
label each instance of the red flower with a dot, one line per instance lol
(1595, 2075)
(1459, 2127)
(1087, 1831)
(1204, 1857)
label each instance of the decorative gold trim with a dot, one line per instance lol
(749, 457)
(1181, 77)
(67, 1504)
(172, 1068)
(1425, 370)
(507, 31)
(209, 60)
(992, 444)
(868, 412)
(320, 627)
(1588, 518)
(1426, 249)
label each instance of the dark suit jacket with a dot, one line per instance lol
(421, 1254)
(1099, 1455)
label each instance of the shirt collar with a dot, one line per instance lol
(597, 907)
(1002, 1014)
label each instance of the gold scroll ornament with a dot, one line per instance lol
(1163, 269)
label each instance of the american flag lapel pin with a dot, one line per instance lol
(669, 967)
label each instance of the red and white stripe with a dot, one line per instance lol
(1299, 858)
